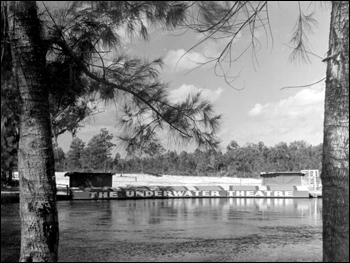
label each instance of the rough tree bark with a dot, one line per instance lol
(335, 165)
(38, 212)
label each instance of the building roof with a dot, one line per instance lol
(87, 174)
(275, 174)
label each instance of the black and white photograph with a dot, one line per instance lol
(174, 131)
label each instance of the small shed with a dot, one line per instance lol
(282, 178)
(77, 179)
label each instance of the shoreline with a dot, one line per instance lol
(142, 186)
(8, 197)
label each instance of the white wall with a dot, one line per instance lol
(144, 179)
(61, 179)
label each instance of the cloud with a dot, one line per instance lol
(301, 105)
(179, 60)
(299, 117)
(184, 90)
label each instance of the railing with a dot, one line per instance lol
(61, 186)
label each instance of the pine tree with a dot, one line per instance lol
(33, 43)
(74, 155)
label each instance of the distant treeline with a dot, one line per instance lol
(237, 161)
(246, 161)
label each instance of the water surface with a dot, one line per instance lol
(198, 229)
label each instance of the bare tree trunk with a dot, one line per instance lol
(9, 180)
(335, 166)
(38, 212)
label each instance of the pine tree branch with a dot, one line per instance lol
(71, 53)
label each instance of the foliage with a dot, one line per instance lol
(60, 159)
(238, 161)
(97, 154)
(246, 161)
(9, 129)
(74, 155)
(78, 73)
(89, 29)
(226, 20)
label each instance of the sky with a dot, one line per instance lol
(257, 108)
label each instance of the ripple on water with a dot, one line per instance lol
(181, 230)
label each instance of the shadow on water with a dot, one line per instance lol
(198, 229)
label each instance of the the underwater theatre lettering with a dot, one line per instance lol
(208, 193)
(174, 194)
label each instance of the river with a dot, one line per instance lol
(193, 229)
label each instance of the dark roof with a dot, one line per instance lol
(86, 174)
(275, 174)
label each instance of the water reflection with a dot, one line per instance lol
(188, 229)
(190, 216)
(157, 211)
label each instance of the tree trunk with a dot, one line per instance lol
(38, 212)
(9, 180)
(335, 166)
